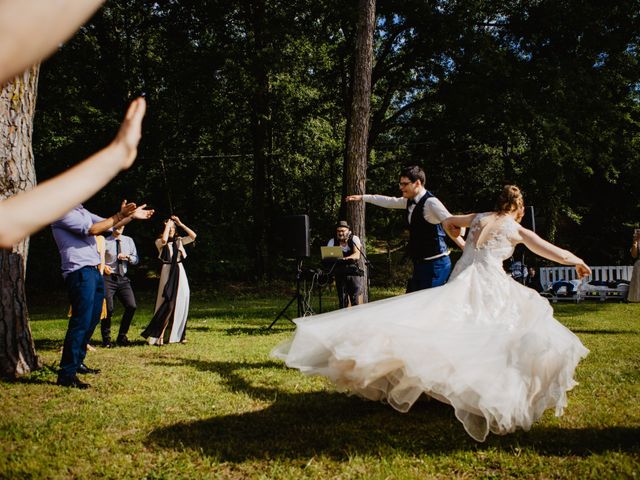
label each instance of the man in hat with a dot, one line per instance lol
(347, 271)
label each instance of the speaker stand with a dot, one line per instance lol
(297, 297)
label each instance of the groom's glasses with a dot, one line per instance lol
(404, 184)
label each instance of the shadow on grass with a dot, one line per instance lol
(301, 425)
(225, 313)
(595, 331)
(573, 309)
(44, 344)
(198, 328)
(48, 343)
(41, 376)
(231, 373)
(137, 342)
(30, 380)
(255, 330)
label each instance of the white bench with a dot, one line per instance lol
(550, 275)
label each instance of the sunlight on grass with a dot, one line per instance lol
(219, 407)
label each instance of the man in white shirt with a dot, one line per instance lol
(347, 271)
(425, 213)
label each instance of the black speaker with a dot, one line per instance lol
(294, 231)
(529, 219)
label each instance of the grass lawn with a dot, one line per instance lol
(219, 407)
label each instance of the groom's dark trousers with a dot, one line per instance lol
(429, 274)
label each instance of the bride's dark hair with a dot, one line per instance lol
(510, 199)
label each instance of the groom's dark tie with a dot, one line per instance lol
(410, 202)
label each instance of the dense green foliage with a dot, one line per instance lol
(219, 407)
(248, 107)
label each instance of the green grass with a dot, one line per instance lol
(219, 407)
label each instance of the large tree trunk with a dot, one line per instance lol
(17, 104)
(357, 138)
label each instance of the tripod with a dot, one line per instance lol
(297, 297)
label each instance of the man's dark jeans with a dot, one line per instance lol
(86, 293)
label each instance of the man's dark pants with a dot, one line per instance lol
(120, 286)
(86, 293)
(350, 289)
(429, 274)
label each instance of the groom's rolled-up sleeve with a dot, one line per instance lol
(435, 212)
(386, 202)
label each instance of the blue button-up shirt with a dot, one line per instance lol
(127, 247)
(77, 247)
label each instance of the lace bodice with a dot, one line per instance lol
(490, 247)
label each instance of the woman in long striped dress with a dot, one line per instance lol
(169, 321)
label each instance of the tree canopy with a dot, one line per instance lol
(248, 107)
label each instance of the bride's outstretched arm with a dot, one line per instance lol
(458, 221)
(454, 225)
(549, 251)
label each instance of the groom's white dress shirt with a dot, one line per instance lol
(434, 211)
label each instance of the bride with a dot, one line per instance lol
(483, 343)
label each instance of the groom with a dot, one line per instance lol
(427, 247)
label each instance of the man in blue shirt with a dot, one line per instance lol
(75, 236)
(120, 252)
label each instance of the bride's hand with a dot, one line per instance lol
(583, 270)
(451, 228)
(454, 230)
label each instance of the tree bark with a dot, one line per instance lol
(358, 135)
(17, 105)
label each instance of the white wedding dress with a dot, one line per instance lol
(483, 343)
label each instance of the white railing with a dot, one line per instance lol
(550, 275)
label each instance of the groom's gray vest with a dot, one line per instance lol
(425, 239)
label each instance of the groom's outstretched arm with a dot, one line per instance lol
(380, 200)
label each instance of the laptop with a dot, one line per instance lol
(330, 253)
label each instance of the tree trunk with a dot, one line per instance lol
(356, 168)
(17, 104)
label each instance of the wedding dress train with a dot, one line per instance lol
(483, 343)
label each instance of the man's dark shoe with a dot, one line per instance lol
(84, 370)
(72, 382)
(123, 341)
(107, 343)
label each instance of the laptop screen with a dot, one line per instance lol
(328, 253)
